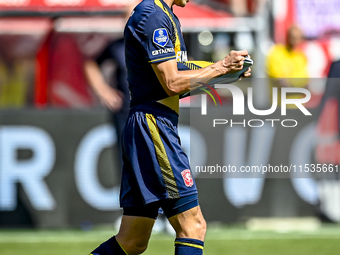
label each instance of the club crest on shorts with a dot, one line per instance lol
(186, 174)
(160, 37)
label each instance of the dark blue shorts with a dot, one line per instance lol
(155, 166)
(170, 207)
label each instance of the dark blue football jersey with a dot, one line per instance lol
(152, 35)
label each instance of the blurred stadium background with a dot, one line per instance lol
(59, 184)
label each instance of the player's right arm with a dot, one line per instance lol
(176, 82)
(155, 33)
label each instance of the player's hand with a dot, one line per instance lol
(247, 73)
(234, 61)
(111, 98)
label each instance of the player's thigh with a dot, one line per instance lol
(189, 224)
(134, 231)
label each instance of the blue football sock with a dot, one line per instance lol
(110, 247)
(187, 246)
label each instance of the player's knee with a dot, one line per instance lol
(135, 247)
(195, 229)
(201, 228)
(139, 250)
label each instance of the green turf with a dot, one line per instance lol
(227, 240)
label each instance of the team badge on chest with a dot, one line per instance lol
(186, 174)
(160, 37)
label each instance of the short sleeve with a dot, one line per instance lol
(155, 33)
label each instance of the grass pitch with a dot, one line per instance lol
(226, 240)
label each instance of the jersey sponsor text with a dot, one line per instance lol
(162, 51)
(181, 56)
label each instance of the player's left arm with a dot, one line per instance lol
(177, 82)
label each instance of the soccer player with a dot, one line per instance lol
(156, 171)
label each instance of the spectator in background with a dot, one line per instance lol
(116, 99)
(241, 8)
(328, 139)
(328, 123)
(287, 64)
(332, 85)
(16, 70)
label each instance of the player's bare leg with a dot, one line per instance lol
(189, 224)
(132, 238)
(134, 234)
(190, 228)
